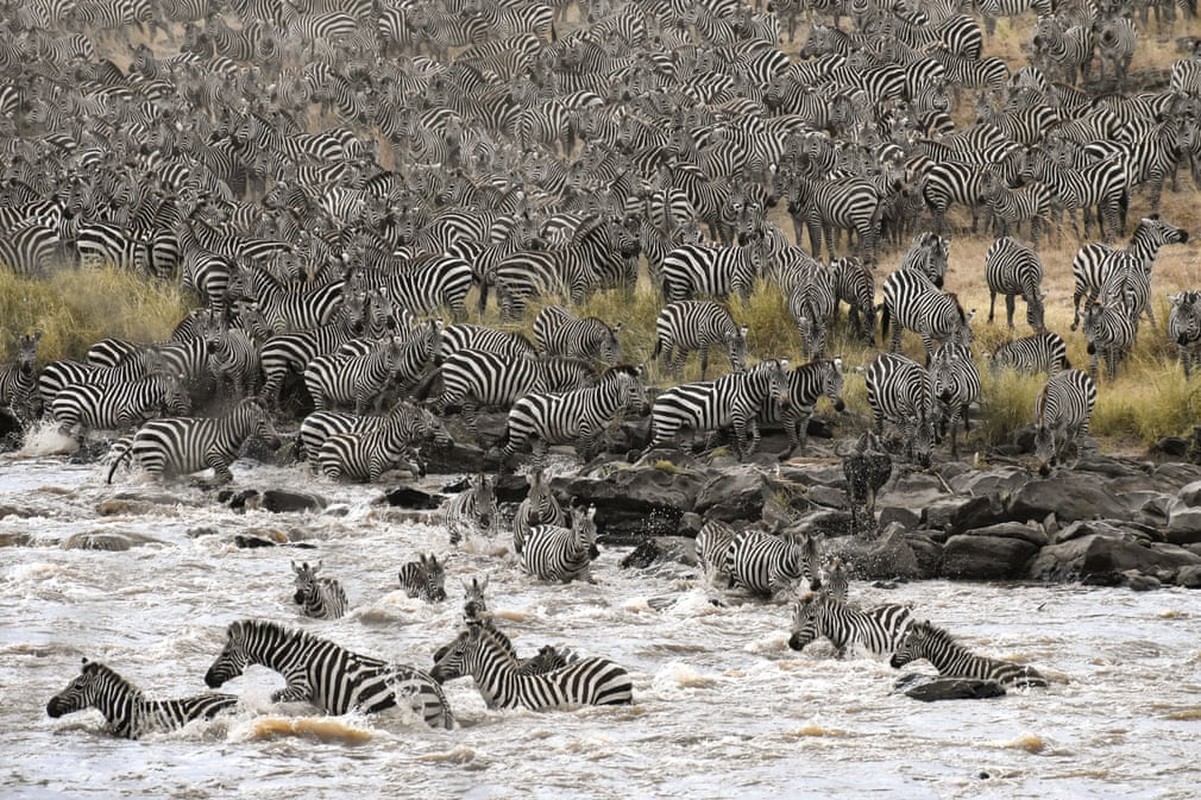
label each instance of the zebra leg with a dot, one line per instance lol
(1010, 303)
(704, 351)
(992, 305)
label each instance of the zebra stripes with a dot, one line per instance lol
(478, 651)
(127, 711)
(318, 597)
(955, 384)
(539, 507)
(473, 509)
(364, 448)
(1062, 412)
(811, 302)
(558, 332)
(697, 269)
(899, 391)
(1184, 327)
(687, 325)
(555, 553)
(879, 629)
(425, 579)
(19, 380)
(911, 301)
(735, 400)
(1011, 269)
(799, 392)
(183, 445)
(1110, 333)
(953, 660)
(1043, 352)
(769, 565)
(81, 407)
(327, 675)
(713, 543)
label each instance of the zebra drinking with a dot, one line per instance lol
(128, 712)
(318, 597)
(332, 678)
(953, 660)
(1062, 412)
(879, 629)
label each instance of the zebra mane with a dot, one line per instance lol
(634, 370)
(482, 627)
(99, 670)
(251, 627)
(932, 633)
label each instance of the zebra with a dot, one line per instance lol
(687, 325)
(713, 543)
(121, 406)
(854, 284)
(579, 417)
(836, 579)
(1103, 185)
(19, 380)
(364, 448)
(1110, 333)
(473, 509)
(948, 182)
(851, 205)
(474, 604)
(899, 390)
(1116, 39)
(558, 332)
(912, 301)
(465, 336)
(539, 507)
(127, 711)
(811, 304)
(183, 445)
(733, 400)
(953, 660)
(1096, 263)
(350, 377)
(424, 578)
(318, 598)
(472, 378)
(332, 678)
(1062, 412)
(1184, 327)
(799, 392)
(1011, 268)
(991, 9)
(1043, 352)
(879, 629)
(693, 269)
(955, 384)
(770, 565)
(555, 553)
(478, 651)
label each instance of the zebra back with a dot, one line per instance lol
(424, 579)
(924, 640)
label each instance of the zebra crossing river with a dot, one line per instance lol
(722, 706)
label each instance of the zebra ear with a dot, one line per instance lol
(295, 568)
(838, 364)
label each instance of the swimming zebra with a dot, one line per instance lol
(879, 629)
(183, 445)
(19, 380)
(1062, 412)
(327, 675)
(424, 578)
(953, 660)
(836, 579)
(473, 509)
(1043, 352)
(769, 565)
(422, 427)
(119, 406)
(579, 417)
(955, 384)
(713, 543)
(364, 448)
(1110, 333)
(899, 391)
(558, 332)
(479, 652)
(687, 325)
(555, 553)
(1184, 327)
(129, 713)
(1011, 268)
(474, 602)
(539, 507)
(735, 400)
(319, 598)
(799, 392)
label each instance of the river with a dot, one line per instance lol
(722, 707)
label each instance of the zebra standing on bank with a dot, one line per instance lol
(1010, 269)
(879, 629)
(420, 427)
(580, 417)
(1184, 327)
(769, 565)
(855, 285)
(1062, 412)
(19, 380)
(327, 675)
(1110, 333)
(364, 448)
(1043, 352)
(120, 406)
(555, 553)
(318, 597)
(912, 301)
(424, 578)
(539, 507)
(484, 653)
(811, 304)
(127, 711)
(687, 325)
(955, 384)
(953, 660)
(899, 391)
(183, 445)
(799, 392)
(735, 400)
(559, 332)
(473, 509)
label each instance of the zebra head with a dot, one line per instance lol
(484, 487)
(473, 596)
(1156, 232)
(805, 620)
(583, 526)
(27, 352)
(235, 655)
(836, 579)
(306, 581)
(451, 660)
(736, 348)
(87, 689)
(915, 644)
(1184, 318)
(435, 579)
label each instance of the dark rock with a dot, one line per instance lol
(1139, 582)
(927, 551)
(1032, 533)
(1189, 577)
(734, 495)
(239, 500)
(662, 550)
(889, 556)
(827, 523)
(1175, 475)
(827, 496)
(408, 497)
(958, 514)
(930, 689)
(458, 458)
(1170, 447)
(907, 518)
(250, 542)
(997, 481)
(15, 540)
(1101, 555)
(1070, 495)
(1190, 494)
(979, 556)
(108, 541)
(279, 501)
(1184, 526)
(13, 511)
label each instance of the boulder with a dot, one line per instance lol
(1099, 555)
(1184, 525)
(1189, 576)
(928, 552)
(960, 513)
(107, 540)
(408, 497)
(281, 501)
(929, 689)
(998, 552)
(889, 556)
(738, 494)
(1070, 495)
(662, 550)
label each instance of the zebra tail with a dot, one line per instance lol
(884, 320)
(126, 454)
(658, 349)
